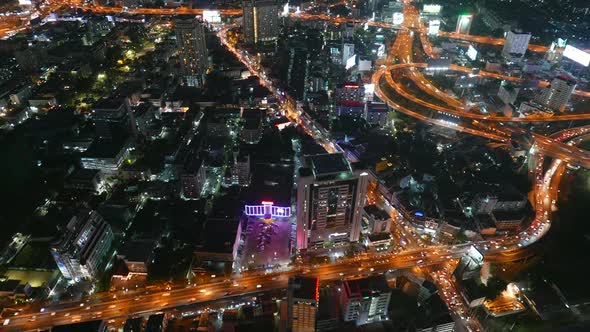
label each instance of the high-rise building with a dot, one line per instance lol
(516, 44)
(190, 40)
(303, 295)
(80, 252)
(347, 52)
(298, 72)
(261, 21)
(365, 300)
(557, 95)
(464, 24)
(330, 200)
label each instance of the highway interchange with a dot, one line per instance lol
(434, 261)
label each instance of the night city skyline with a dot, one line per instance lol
(270, 165)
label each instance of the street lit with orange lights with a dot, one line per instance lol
(437, 260)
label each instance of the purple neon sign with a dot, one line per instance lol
(267, 209)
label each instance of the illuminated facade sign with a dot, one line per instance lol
(577, 55)
(267, 210)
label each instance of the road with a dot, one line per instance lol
(107, 307)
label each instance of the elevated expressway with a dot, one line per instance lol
(119, 304)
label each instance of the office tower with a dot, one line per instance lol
(330, 200)
(464, 24)
(365, 300)
(298, 72)
(303, 295)
(347, 52)
(82, 249)
(192, 50)
(558, 93)
(261, 21)
(516, 44)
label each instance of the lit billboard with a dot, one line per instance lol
(472, 53)
(431, 9)
(577, 55)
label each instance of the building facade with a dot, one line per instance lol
(366, 300)
(303, 296)
(516, 44)
(190, 41)
(261, 21)
(330, 200)
(81, 251)
(557, 95)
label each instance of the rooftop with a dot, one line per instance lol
(376, 212)
(219, 235)
(138, 250)
(105, 148)
(324, 164)
(304, 287)
(108, 104)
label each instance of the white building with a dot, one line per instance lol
(516, 44)
(433, 27)
(557, 95)
(347, 52)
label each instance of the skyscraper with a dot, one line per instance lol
(298, 72)
(192, 50)
(330, 199)
(558, 93)
(261, 21)
(516, 44)
(303, 294)
(464, 24)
